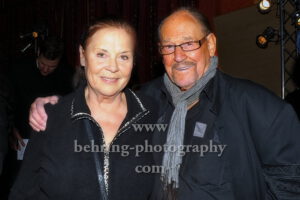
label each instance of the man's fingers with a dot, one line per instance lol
(38, 108)
(37, 115)
(35, 119)
(35, 125)
(53, 100)
(17, 146)
(14, 146)
(19, 139)
(13, 141)
(22, 142)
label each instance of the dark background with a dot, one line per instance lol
(67, 18)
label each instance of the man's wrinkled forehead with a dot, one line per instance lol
(182, 24)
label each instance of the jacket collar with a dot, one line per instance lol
(211, 91)
(79, 108)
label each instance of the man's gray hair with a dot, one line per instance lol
(200, 18)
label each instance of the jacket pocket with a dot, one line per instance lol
(207, 176)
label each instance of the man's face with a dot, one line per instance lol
(185, 68)
(47, 66)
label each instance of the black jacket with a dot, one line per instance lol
(28, 84)
(6, 117)
(262, 133)
(57, 167)
(3, 132)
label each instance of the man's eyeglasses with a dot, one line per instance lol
(187, 46)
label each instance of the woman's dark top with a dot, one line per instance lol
(59, 164)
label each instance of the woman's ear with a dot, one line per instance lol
(212, 44)
(82, 57)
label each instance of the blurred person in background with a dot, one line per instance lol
(32, 77)
(35, 77)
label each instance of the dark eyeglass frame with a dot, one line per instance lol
(200, 42)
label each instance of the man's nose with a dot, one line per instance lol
(46, 69)
(179, 54)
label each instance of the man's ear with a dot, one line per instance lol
(211, 44)
(158, 48)
(81, 55)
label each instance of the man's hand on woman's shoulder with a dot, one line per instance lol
(37, 115)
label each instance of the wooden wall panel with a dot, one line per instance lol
(237, 50)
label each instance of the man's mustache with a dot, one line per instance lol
(184, 63)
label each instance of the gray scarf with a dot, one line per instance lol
(181, 100)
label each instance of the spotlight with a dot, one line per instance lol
(297, 19)
(263, 39)
(264, 6)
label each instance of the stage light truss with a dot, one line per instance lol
(288, 10)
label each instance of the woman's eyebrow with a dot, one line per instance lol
(127, 51)
(101, 49)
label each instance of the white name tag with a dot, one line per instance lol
(200, 129)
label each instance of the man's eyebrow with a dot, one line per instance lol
(184, 38)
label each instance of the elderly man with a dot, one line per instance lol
(239, 140)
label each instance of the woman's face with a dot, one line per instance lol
(108, 60)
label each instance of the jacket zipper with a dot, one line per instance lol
(107, 148)
(123, 129)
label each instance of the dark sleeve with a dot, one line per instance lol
(294, 99)
(3, 133)
(28, 180)
(275, 130)
(281, 155)
(27, 185)
(65, 74)
(151, 88)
